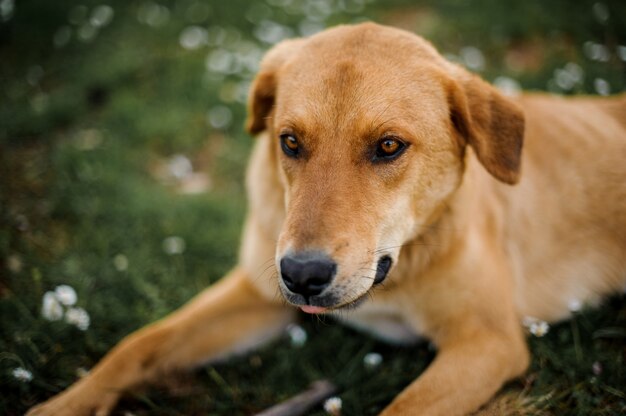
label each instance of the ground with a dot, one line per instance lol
(121, 175)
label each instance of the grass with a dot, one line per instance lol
(89, 123)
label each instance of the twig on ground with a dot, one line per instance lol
(301, 403)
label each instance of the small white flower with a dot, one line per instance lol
(120, 262)
(62, 36)
(51, 308)
(193, 37)
(78, 317)
(602, 86)
(574, 305)
(14, 263)
(596, 368)
(6, 10)
(22, 374)
(508, 86)
(101, 15)
(219, 117)
(333, 406)
(81, 372)
(297, 335)
(372, 360)
(621, 52)
(66, 295)
(174, 245)
(601, 12)
(473, 58)
(179, 166)
(539, 328)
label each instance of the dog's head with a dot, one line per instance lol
(370, 126)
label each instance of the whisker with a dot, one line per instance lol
(267, 268)
(266, 262)
(423, 244)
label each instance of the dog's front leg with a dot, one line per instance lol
(228, 317)
(464, 376)
(476, 357)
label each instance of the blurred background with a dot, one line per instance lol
(122, 155)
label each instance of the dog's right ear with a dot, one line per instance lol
(263, 89)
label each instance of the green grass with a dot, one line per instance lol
(85, 125)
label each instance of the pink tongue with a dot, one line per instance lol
(312, 309)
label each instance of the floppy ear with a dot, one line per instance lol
(491, 124)
(263, 89)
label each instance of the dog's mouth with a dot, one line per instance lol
(324, 303)
(382, 269)
(316, 310)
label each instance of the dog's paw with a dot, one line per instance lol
(77, 401)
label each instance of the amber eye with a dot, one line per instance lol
(389, 148)
(289, 144)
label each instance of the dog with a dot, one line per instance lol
(377, 160)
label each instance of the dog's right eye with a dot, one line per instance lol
(289, 144)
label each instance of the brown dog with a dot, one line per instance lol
(379, 160)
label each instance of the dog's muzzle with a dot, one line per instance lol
(306, 276)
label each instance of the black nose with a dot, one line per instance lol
(307, 274)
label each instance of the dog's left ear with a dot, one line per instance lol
(263, 89)
(490, 123)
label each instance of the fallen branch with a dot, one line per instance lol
(303, 402)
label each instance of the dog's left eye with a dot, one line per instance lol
(289, 144)
(389, 148)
